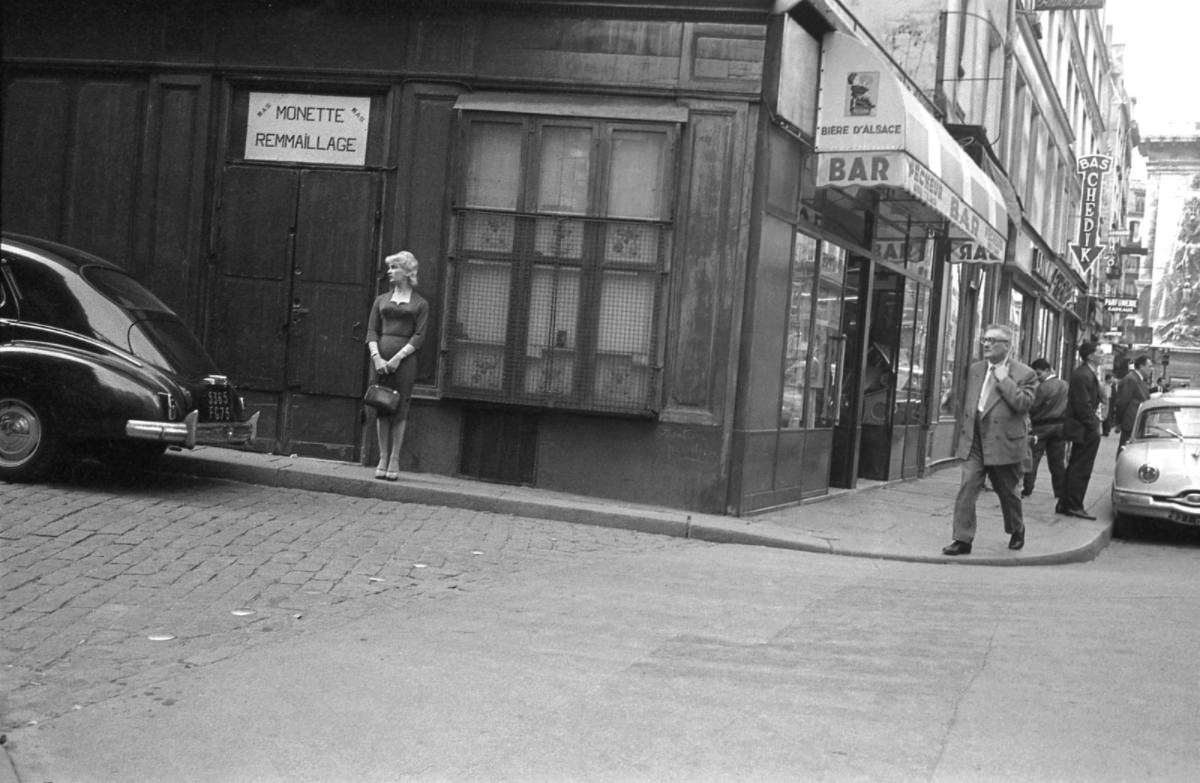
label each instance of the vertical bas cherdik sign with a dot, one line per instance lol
(298, 128)
(1092, 169)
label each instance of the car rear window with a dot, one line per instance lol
(123, 289)
(163, 340)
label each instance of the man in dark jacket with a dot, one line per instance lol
(1132, 391)
(1046, 416)
(1108, 393)
(1082, 428)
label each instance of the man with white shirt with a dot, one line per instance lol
(993, 439)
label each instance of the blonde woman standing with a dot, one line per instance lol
(395, 331)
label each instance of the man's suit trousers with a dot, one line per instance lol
(1006, 481)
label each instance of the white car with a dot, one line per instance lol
(1158, 472)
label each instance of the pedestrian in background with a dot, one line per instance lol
(1108, 392)
(1082, 428)
(395, 331)
(1046, 417)
(1132, 391)
(994, 438)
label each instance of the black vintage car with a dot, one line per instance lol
(91, 363)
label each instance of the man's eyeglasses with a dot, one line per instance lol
(990, 340)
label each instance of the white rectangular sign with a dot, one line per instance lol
(1121, 304)
(301, 128)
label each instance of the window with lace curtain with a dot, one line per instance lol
(561, 236)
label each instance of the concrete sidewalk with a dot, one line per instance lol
(900, 520)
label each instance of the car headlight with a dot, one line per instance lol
(1148, 474)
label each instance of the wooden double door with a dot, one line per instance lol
(296, 255)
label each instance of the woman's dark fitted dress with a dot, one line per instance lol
(394, 326)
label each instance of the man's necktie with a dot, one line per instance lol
(989, 381)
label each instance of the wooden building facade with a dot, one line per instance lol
(638, 289)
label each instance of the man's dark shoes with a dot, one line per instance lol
(1017, 541)
(957, 548)
(1059, 508)
(1079, 512)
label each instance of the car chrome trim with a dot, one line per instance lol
(37, 344)
(178, 433)
(225, 433)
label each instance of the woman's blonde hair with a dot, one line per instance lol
(406, 260)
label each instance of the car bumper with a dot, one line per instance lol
(1137, 504)
(191, 432)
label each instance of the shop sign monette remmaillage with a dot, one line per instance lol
(299, 128)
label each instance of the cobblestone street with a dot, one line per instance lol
(318, 637)
(94, 567)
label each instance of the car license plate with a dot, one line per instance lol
(1187, 519)
(220, 406)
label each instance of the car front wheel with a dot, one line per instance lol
(1124, 526)
(28, 445)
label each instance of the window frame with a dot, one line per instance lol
(593, 268)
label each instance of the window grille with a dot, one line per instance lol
(571, 323)
(560, 243)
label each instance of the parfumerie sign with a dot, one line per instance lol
(1121, 304)
(299, 128)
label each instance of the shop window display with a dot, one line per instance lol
(815, 345)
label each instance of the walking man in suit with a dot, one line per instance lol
(1132, 391)
(993, 438)
(1082, 428)
(1108, 393)
(1046, 419)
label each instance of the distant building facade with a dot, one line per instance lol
(1173, 231)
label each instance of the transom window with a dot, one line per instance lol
(560, 243)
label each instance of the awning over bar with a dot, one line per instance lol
(872, 131)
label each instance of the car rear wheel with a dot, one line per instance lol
(28, 444)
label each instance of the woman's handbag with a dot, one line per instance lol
(382, 399)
